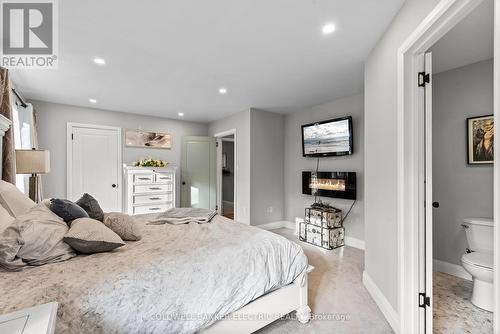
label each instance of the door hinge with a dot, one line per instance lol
(423, 300)
(72, 136)
(423, 78)
(216, 144)
(216, 208)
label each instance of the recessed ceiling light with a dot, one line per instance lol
(100, 61)
(328, 28)
(222, 90)
(92, 100)
(180, 114)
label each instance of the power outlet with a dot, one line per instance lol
(270, 209)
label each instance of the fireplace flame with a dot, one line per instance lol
(327, 184)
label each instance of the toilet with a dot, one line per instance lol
(479, 262)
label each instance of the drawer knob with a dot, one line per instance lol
(154, 209)
(113, 185)
(144, 178)
(155, 198)
(154, 188)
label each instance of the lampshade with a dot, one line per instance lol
(32, 161)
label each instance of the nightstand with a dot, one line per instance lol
(39, 319)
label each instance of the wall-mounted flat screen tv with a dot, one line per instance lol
(327, 138)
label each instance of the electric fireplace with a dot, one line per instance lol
(329, 184)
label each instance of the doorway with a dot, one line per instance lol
(226, 173)
(462, 175)
(94, 164)
(415, 210)
(227, 188)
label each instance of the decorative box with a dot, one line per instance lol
(324, 217)
(328, 238)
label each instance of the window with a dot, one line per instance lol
(23, 137)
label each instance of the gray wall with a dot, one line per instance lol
(266, 147)
(462, 190)
(52, 119)
(241, 122)
(228, 177)
(295, 202)
(259, 164)
(381, 156)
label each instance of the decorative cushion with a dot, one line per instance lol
(88, 236)
(5, 219)
(35, 238)
(91, 206)
(123, 225)
(67, 210)
(13, 200)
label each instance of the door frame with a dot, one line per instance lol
(218, 136)
(69, 153)
(411, 140)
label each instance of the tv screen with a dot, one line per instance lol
(327, 138)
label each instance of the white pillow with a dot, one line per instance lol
(35, 238)
(5, 219)
(14, 201)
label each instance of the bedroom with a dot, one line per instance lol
(174, 82)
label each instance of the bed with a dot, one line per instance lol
(220, 277)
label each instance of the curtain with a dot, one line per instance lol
(9, 159)
(34, 137)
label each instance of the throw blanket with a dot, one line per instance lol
(176, 279)
(184, 216)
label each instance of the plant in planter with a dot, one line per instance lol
(150, 162)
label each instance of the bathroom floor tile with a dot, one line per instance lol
(453, 311)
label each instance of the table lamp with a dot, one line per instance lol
(33, 162)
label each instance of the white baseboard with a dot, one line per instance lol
(383, 304)
(450, 269)
(356, 243)
(276, 225)
(349, 241)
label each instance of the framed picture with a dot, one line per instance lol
(139, 138)
(480, 140)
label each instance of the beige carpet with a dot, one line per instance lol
(453, 311)
(336, 292)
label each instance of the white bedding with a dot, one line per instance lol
(193, 272)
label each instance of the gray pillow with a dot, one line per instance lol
(35, 238)
(91, 206)
(123, 225)
(67, 210)
(88, 236)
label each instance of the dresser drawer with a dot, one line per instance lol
(146, 199)
(163, 178)
(152, 188)
(143, 178)
(151, 208)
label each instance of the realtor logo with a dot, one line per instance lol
(29, 34)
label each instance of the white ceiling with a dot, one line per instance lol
(165, 57)
(470, 41)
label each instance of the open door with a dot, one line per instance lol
(425, 230)
(198, 167)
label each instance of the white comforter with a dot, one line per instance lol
(175, 280)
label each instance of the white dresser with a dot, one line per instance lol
(149, 189)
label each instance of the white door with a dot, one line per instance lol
(425, 230)
(94, 164)
(198, 177)
(219, 176)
